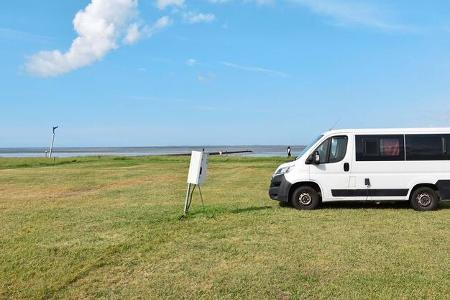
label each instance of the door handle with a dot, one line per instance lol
(346, 167)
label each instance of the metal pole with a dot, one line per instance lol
(187, 200)
(53, 141)
(201, 197)
(51, 147)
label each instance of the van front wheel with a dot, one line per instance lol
(424, 199)
(305, 198)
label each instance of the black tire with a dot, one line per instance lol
(305, 198)
(424, 199)
(285, 204)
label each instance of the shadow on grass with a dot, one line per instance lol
(213, 212)
(248, 209)
(369, 205)
(366, 205)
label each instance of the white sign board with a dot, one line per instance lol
(198, 168)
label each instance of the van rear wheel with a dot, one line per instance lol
(424, 199)
(305, 198)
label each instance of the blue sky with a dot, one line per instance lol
(174, 72)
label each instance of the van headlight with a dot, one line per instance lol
(282, 171)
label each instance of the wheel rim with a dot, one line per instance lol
(305, 199)
(424, 199)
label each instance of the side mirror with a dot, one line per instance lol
(316, 159)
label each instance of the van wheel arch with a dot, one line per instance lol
(314, 185)
(424, 185)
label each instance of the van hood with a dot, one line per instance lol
(286, 165)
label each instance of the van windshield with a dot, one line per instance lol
(309, 146)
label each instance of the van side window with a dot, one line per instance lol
(338, 148)
(371, 147)
(333, 150)
(426, 147)
(323, 150)
(380, 148)
(447, 147)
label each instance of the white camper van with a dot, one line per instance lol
(368, 165)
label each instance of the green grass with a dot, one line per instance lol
(109, 228)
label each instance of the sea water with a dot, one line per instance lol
(258, 151)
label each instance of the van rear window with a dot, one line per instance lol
(380, 148)
(426, 147)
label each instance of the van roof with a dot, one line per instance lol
(389, 131)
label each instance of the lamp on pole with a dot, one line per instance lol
(53, 141)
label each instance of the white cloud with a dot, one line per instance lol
(255, 69)
(133, 34)
(343, 12)
(193, 18)
(160, 24)
(205, 78)
(100, 26)
(162, 4)
(348, 12)
(191, 62)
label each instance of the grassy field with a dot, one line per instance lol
(109, 228)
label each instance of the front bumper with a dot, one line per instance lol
(279, 189)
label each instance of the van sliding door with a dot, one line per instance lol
(377, 171)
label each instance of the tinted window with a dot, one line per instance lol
(447, 147)
(380, 147)
(333, 149)
(371, 147)
(426, 147)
